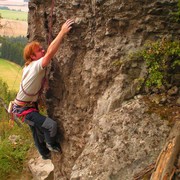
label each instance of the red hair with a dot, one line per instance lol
(29, 50)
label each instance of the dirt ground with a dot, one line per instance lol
(13, 28)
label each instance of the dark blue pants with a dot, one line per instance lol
(44, 130)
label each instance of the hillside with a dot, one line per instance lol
(10, 73)
(13, 28)
(13, 23)
(13, 15)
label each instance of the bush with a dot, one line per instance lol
(162, 59)
(13, 154)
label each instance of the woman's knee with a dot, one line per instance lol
(51, 125)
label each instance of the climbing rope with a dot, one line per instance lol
(49, 40)
(51, 23)
(20, 68)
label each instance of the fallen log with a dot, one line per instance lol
(165, 164)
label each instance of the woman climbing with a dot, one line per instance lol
(44, 129)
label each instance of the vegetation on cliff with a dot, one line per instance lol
(163, 61)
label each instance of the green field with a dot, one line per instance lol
(10, 73)
(14, 15)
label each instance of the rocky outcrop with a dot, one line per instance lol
(121, 143)
(41, 169)
(107, 130)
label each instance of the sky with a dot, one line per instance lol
(12, 4)
(16, 0)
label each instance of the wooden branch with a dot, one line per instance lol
(165, 164)
(4, 104)
(147, 171)
(6, 108)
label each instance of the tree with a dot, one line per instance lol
(12, 48)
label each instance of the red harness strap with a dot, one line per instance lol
(24, 113)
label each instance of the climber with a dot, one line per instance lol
(44, 129)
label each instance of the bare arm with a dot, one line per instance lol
(54, 46)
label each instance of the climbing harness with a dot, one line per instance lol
(22, 111)
(39, 91)
(20, 108)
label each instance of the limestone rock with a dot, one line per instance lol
(40, 169)
(107, 131)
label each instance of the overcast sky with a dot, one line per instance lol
(16, 0)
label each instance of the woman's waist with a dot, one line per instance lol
(22, 98)
(25, 103)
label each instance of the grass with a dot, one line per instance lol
(14, 15)
(11, 74)
(13, 154)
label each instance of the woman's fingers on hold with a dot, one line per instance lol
(69, 22)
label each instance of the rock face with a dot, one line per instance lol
(107, 131)
(121, 143)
